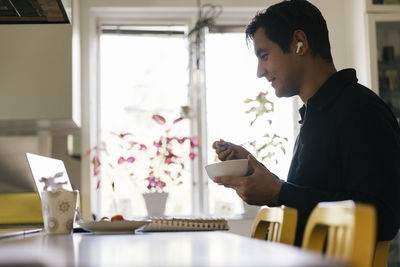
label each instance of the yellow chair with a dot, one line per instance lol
(279, 223)
(349, 229)
(381, 254)
(20, 208)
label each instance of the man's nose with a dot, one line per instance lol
(260, 70)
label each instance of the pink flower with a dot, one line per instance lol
(161, 185)
(192, 155)
(122, 135)
(182, 140)
(129, 160)
(170, 157)
(178, 120)
(96, 171)
(158, 144)
(133, 144)
(96, 165)
(151, 180)
(194, 141)
(142, 147)
(159, 119)
(96, 161)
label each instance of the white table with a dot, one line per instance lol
(152, 249)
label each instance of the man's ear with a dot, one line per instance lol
(299, 43)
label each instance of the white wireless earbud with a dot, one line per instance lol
(299, 45)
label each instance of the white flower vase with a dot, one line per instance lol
(155, 203)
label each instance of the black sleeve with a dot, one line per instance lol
(370, 158)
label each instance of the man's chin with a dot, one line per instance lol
(280, 93)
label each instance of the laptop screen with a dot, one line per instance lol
(48, 173)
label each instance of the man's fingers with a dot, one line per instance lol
(220, 144)
(214, 145)
(220, 149)
(252, 161)
(230, 156)
(228, 181)
(224, 154)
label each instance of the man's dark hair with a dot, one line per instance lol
(279, 22)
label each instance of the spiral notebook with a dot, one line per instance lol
(185, 224)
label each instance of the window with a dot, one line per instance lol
(144, 71)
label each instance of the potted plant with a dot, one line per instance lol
(163, 160)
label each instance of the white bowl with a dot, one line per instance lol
(236, 167)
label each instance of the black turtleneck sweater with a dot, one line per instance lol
(348, 148)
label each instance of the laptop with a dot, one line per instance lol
(48, 172)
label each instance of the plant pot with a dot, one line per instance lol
(155, 203)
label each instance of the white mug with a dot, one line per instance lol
(58, 209)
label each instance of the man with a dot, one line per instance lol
(349, 142)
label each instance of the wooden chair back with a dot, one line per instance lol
(348, 228)
(277, 224)
(381, 254)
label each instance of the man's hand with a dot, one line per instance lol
(258, 188)
(228, 151)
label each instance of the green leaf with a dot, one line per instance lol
(262, 147)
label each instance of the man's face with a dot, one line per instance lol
(277, 67)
